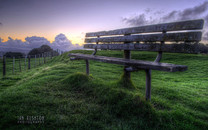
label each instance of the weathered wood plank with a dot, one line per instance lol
(148, 84)
(176, 48)
(87, 67)
(135, 63)
(175, 26)
(127, 55)
(171, 37)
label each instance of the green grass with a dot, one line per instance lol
(67, 98)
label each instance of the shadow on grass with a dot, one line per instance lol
(117, 97)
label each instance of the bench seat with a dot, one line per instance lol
(140, 64)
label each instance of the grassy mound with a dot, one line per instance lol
(120, 101)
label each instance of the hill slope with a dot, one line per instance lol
(67, 99)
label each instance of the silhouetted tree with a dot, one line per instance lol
(40, 50)
(14, 54)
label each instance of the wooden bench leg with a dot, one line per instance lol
(127, 55)
(148, 84)
(87, 67)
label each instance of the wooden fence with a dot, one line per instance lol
(13, 65)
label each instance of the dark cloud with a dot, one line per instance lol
(195, 11)
(154, 17)
(136, 20)
(175, 15)
(172, 15)
(148, 10)
(186, 14)
(1, 24)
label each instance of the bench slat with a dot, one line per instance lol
(175, 26)
(176, 48)
(172, 37)
(136, 63)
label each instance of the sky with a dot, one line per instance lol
(73, 18)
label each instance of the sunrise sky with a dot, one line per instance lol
(48, 18)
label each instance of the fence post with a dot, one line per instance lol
(25, 61)
(13, 65)
(50, 55)
(57, 52)
(44, 58)
(39, 58)
(29, 62)
(35, 60)
(20, 64)
(4, 65)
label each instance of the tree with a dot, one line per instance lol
(14, 54)
(40, 50)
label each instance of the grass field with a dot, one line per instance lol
(67, 98)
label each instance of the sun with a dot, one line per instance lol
(76, 39)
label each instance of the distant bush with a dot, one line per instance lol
(14, 54)
(40, 50)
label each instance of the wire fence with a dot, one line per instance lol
(14, 65)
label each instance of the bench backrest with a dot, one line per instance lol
(150, 38)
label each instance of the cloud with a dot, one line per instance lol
(62, 43)
(1, 24)
(35, 42)
(14, 45)
(189, 13)
(193, 12)
(136, 20)
(175, 15)
(154, 17)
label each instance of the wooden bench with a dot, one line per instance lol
(144, 38)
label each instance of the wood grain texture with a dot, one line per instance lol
(148, 84)
(174, 26)
(171, 37)
(127, 55)
(87, 67)
(135, 63)
(175, 48)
